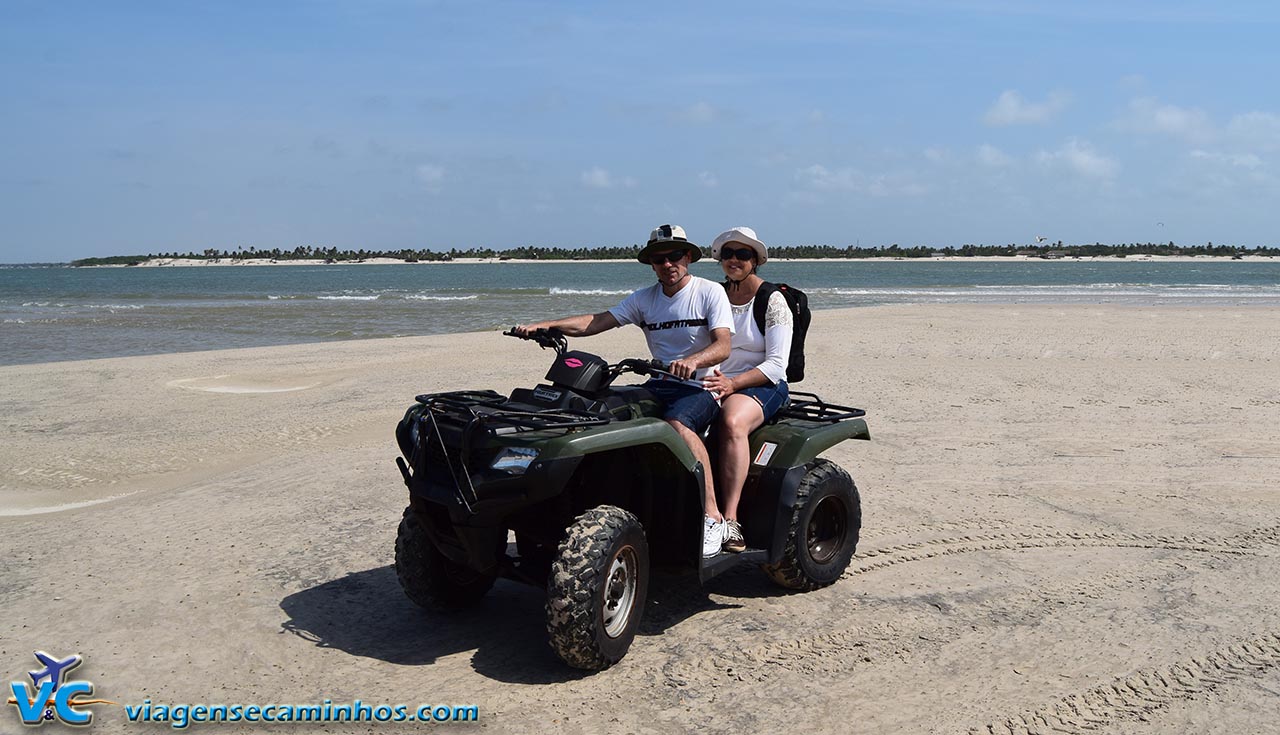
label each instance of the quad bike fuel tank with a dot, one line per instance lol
(578, 371)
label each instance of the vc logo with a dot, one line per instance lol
(50, 696)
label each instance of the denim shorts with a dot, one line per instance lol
(690, 405)
(770, 397)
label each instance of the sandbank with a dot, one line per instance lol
(1070, 524)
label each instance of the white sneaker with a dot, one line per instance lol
(713, 536)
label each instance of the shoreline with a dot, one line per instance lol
(838, 313)
(860, 311)
(259, 262)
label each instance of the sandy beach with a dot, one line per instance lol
(1070, 525)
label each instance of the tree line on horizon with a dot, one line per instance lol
(336, 255)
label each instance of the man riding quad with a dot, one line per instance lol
(688, 325)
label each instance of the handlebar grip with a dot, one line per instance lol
(535, 334)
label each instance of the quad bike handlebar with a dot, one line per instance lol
(545, 338)
(553, 338)
(643, 366)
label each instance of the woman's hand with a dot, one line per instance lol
(718, 384)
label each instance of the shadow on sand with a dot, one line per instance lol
(367, 614)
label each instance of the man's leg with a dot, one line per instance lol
(694, 442)
(690, 410)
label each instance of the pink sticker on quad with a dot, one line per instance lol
(573, 362)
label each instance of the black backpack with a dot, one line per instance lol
(798, 303)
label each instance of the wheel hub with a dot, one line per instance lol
(619, 592)
(826, 530)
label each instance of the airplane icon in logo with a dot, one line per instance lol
(55, 669)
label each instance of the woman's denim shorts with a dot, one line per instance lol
(770, 397)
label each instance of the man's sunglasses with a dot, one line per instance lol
(739, 254)
(672, 257)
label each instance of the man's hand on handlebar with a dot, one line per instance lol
(683, 369)
(525, 330)
(544, 336)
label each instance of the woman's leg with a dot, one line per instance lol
(739, 416)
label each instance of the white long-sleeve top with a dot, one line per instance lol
(751, 349)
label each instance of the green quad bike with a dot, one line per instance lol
(596, 487)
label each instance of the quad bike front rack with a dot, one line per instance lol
(475, 412)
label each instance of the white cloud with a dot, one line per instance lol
(598, 178)
(1133, 82)
(1260, 129)
(807, 198)
(817, 117)
(775, 158)
(992, 157)
(820, 178)
(1223, 174)
(699, 113)
(1079, 157)
(708, 179)
(1235, 160)
(896, 184)
(937, 155)
(1148, 115)
(431, 175)
(1011, 109)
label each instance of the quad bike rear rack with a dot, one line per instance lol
(809, 407)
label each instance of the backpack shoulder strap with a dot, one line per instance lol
(761, 304)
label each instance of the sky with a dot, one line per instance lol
(143, 127)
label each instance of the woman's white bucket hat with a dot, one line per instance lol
(744, 236)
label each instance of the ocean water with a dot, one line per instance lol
(60, 313)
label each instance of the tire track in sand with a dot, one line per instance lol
(845, 645)
(882, 558)
(848, 647)
(1138, 696)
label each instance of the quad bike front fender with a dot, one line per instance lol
(619, 435)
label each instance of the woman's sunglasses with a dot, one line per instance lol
(739, 254)
(672, 257)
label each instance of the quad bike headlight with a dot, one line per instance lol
(415, 434)
(407, 436)
(514, 460)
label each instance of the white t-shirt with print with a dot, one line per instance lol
(680, 325)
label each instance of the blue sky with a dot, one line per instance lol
(146, 127)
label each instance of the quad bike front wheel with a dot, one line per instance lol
(597, 588)
(824, 529)
(430, 579)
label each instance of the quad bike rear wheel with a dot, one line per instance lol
(430, 579)
(825, 524)
(597, 587)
